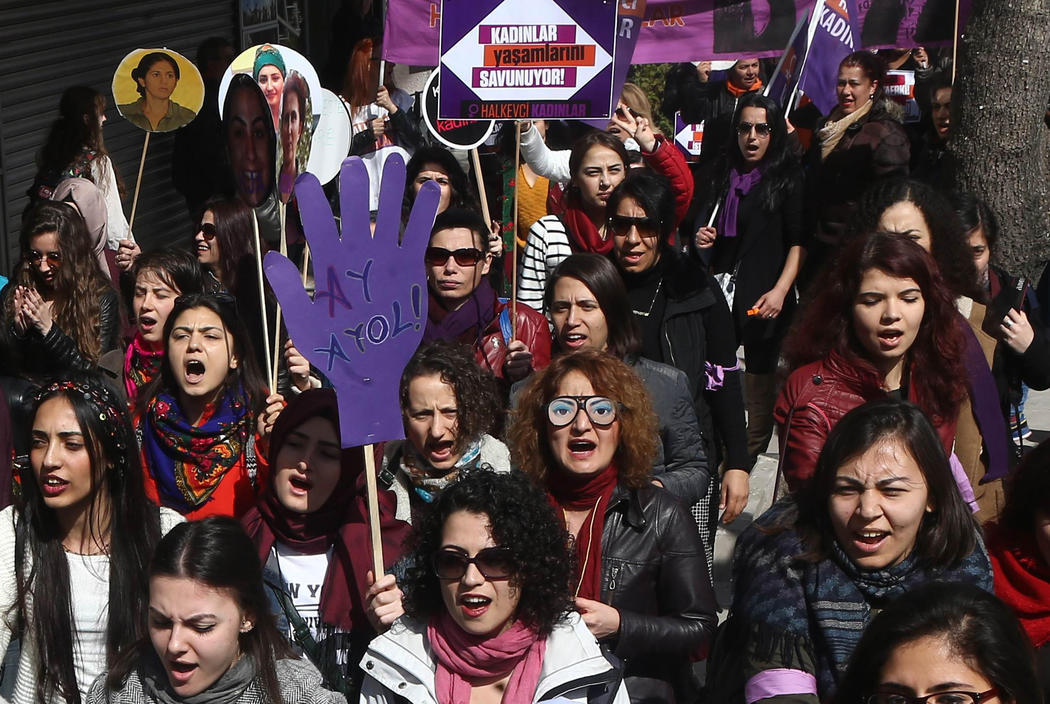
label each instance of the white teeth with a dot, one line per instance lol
(475, 600)
(871, 535)
(53, 481)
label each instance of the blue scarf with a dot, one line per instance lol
(188, 461)
(740, 184)
(824, 606)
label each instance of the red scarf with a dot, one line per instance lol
(1022, 580)
(462, 657)
(737, 92)
(583, 234)
(575, 493)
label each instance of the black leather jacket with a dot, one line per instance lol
(36, 355)
(654, 572)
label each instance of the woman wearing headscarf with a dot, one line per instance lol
(310, 536)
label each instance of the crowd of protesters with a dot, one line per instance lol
(181, 524)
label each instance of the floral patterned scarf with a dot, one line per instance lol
(188, 461)
(141, 366)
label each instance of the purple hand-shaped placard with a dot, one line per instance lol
(370, 302)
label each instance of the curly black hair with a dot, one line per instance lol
(949, 244)
(521, 519)
(478, 408)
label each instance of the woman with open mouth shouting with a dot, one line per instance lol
(60, 312)
(310, 535)
(204, 422)
(489, 612)
(883, 324)
(74, 551)
(755, 248)
(881, 516)
(160, 277)
(211, 636)
(585, 431)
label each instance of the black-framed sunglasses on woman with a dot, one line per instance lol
(467, 256)
(493, 563)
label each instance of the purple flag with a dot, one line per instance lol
(833, 40)
(785, 78)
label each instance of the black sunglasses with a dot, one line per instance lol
(762, 129)
(438, 256)
(492, 563)
(208, 230)
(621, 225)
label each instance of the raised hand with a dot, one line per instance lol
(369, 309)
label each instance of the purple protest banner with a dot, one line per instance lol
(690, 30)
(370, 306)
(526, 59)
(833, 39)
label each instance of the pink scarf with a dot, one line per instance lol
(462, 657)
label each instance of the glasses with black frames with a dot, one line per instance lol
(949, 697)
(467, 256)
(762, 129)
(493, 563)
(601, 411)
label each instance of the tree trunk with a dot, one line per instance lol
(998, 130)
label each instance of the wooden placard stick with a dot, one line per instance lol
(372, 491)
(514, 252)
(138, 182)
(262, 291)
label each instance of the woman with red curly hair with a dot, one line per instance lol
(883, 324)
(585, 431)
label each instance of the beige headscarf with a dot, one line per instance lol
(88, 199)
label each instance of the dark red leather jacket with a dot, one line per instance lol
(813, 400)
(532, 329)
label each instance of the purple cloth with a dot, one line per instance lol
(779, 682)
(984, 398)
(835, 36)
(963, 482)
(477, 313)
(740, 184)
(716, 375)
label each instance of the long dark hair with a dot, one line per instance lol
(78, 126)
(947, 534)
(245, 379)
(652, 191)
(217, 553)
(133, 531)
(780, 164)
(979, 629)
(948, 238)
(827, 323)
(602, 279)
(78, 283)
(233, 232)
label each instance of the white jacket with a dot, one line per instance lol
(399, 666)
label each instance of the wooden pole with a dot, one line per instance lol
(475, 159)
(262, 292)
(138, 182)
(955, 40)
(714, 214)
(306, 263)
(373, 512)
(514, 252)
(277, 315)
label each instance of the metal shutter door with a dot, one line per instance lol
(48, 45)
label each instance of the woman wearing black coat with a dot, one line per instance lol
(755, 248)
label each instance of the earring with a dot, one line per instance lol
(871, 96)
(246, 626)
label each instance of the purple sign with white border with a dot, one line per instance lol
(526, 59)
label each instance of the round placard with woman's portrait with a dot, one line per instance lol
(158, 90)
